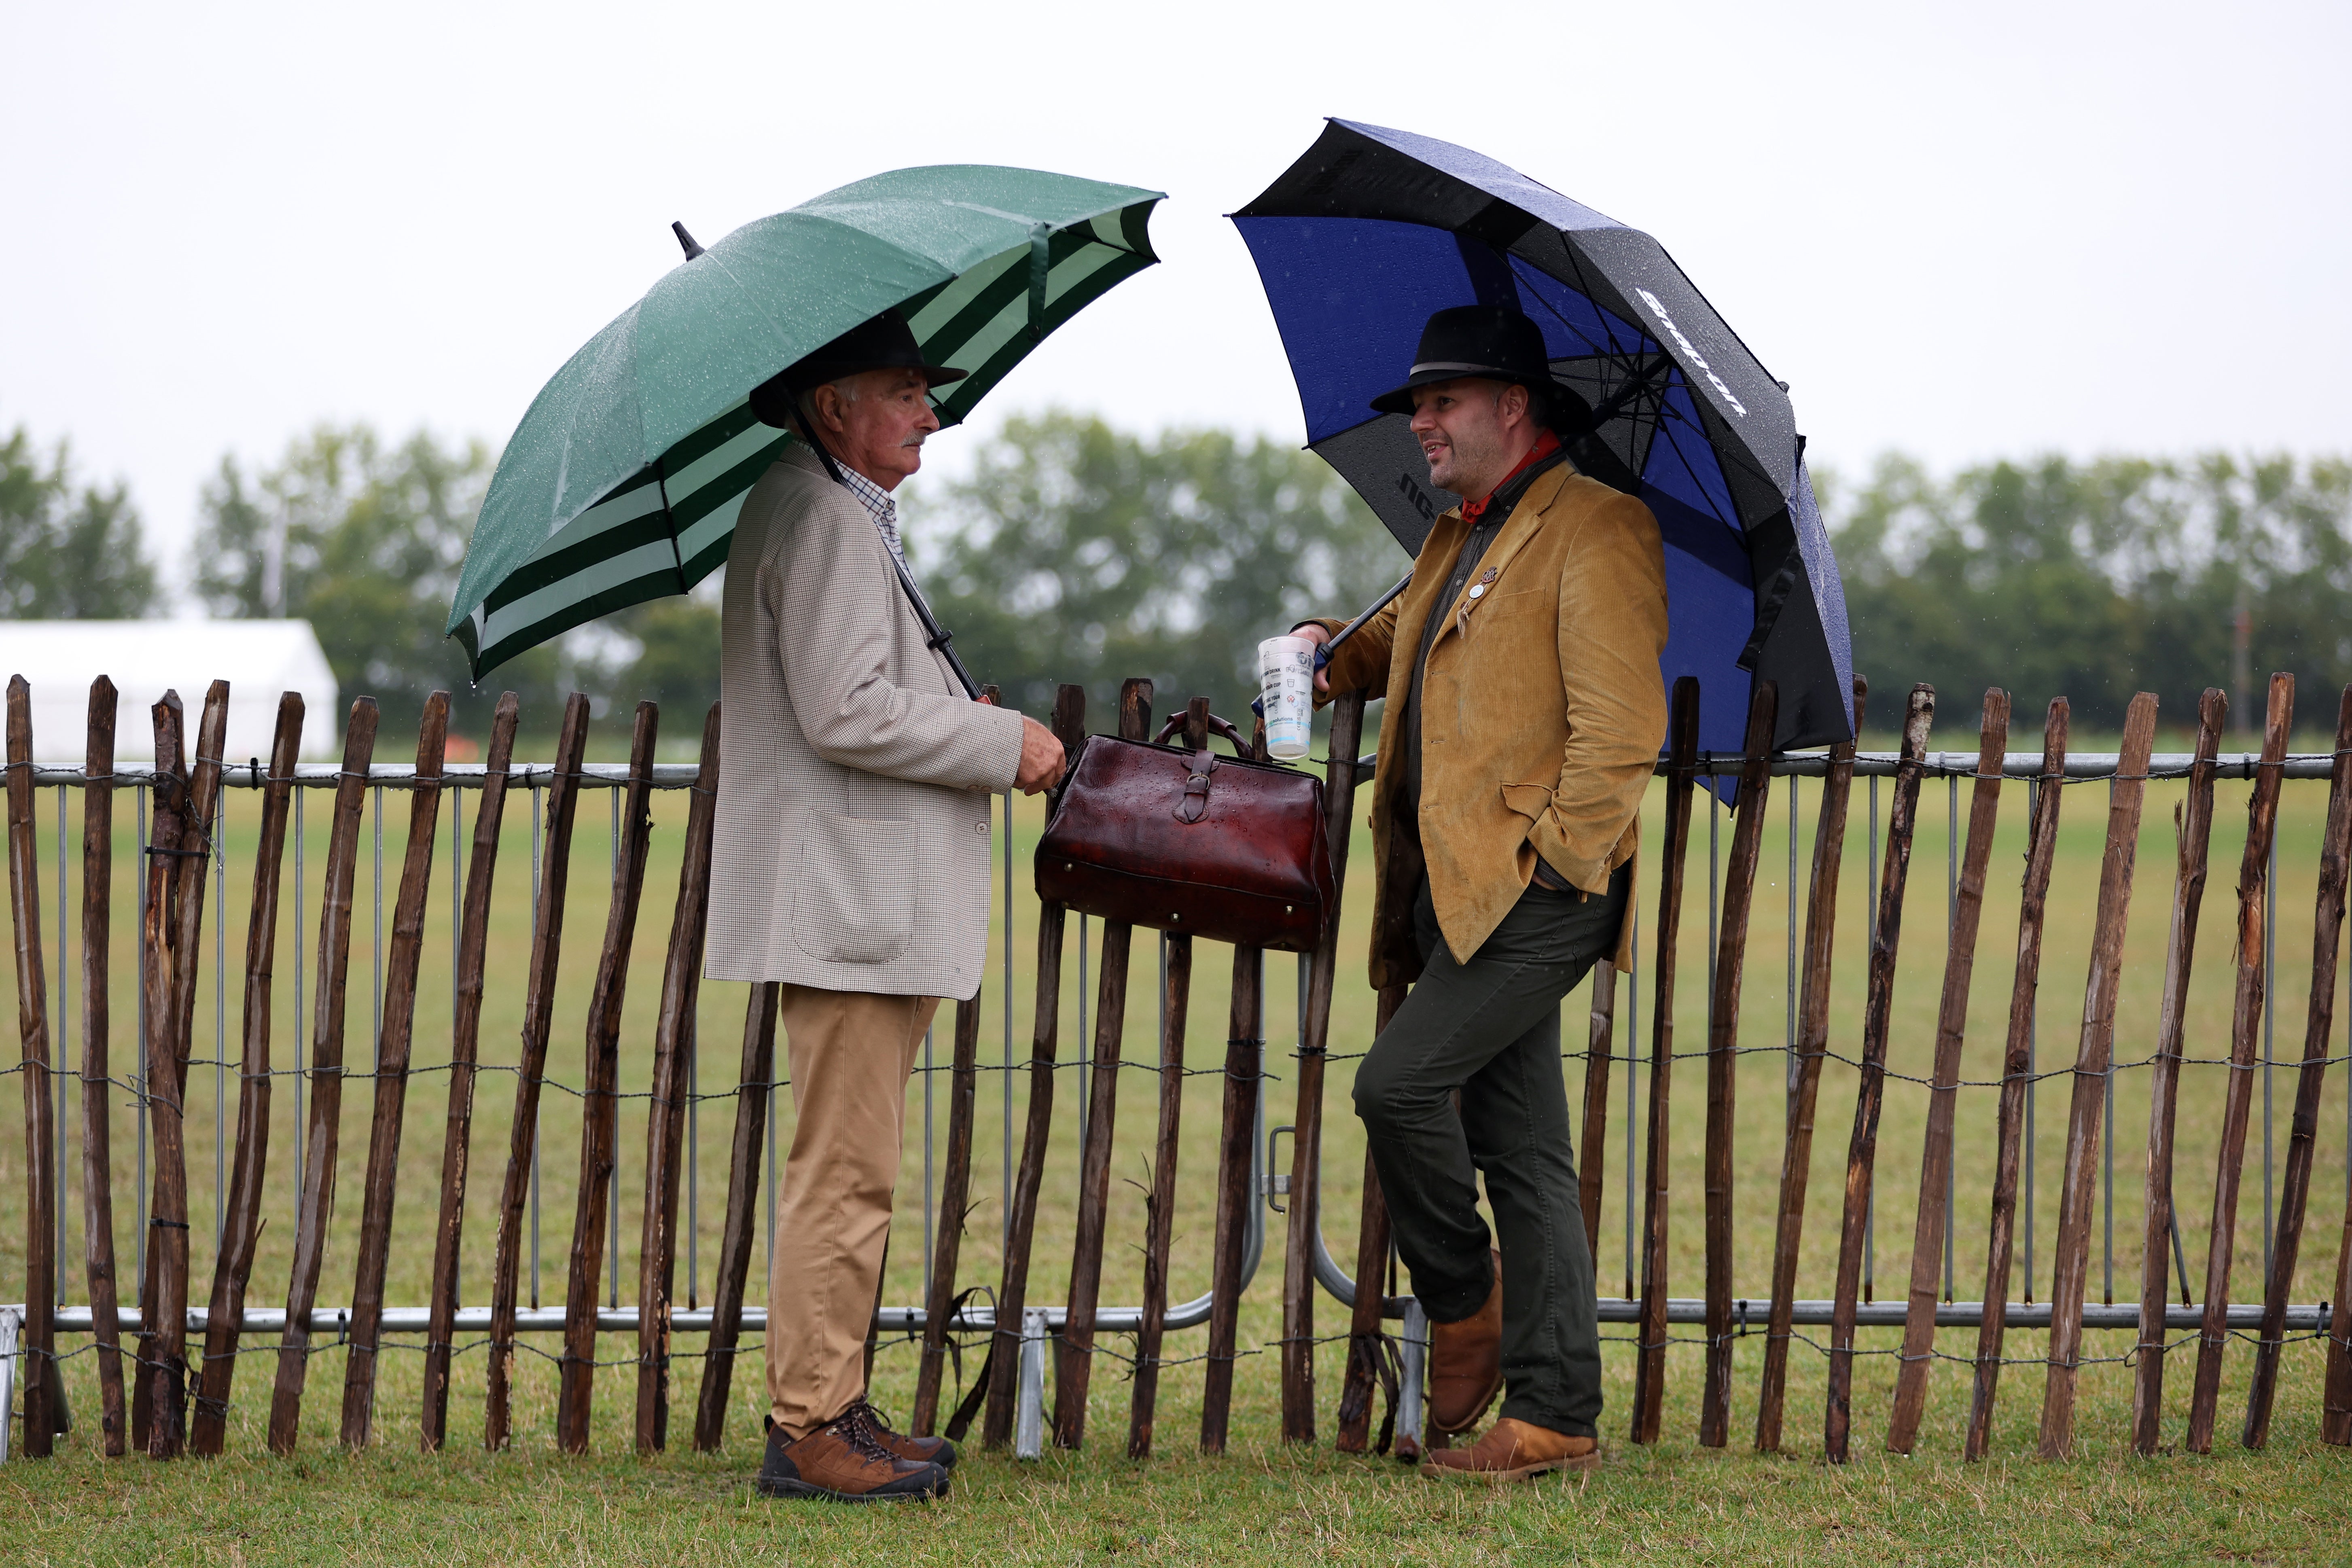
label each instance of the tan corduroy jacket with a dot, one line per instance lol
(1541, 712)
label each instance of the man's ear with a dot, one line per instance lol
(826, 402)
(1511, 404)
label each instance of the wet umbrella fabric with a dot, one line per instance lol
(1372, 230)
(623, 482)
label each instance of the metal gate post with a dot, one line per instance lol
(1029, 1412)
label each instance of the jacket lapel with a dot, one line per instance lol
(1431, 569)
(1526, 520)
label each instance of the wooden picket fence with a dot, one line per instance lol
(167, 1395)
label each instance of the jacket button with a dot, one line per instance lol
(980, 828)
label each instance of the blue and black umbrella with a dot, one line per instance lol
(1372, 230)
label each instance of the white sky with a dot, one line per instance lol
(1965, 231)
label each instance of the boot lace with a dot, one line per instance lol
(858, 1427)
(873, 1418)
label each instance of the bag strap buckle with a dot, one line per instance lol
(1195, 802)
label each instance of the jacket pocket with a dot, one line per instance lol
(853, 902)
(1529, 800)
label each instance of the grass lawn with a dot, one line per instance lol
(1263, 1503)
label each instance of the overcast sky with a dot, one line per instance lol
(1965, 231)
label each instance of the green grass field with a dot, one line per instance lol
(1264, 1501)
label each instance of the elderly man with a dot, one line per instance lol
(850, 868)
(1525, 714)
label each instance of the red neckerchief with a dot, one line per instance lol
(1546, 445)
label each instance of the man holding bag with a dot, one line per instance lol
(1525, 713)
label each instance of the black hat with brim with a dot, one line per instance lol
(880, 342)
(1495, 342)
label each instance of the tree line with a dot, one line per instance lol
(1075, 550)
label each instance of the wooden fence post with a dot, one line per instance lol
(1074, 1354)
(1160, 1213)
(1722, 1059)
(1236, 1157)
(753, 1087)
(1951, 1033)
(2041, 845)
(955, 1206)
(395, 1045)
(1650, 1347)
(38, 1341)
(2193, 830)
(1861, 1149)
(674, 1042)
(1175, 997)
(316, 1203)
(1600, 1044)
(1012, 1292)
(161, 874)
(2245, 1031)
(168, 1257)
(2319, 1027)
(233, 1266)
(2070, 1254)
(97, 1082)
(465, 1049)
(1812, 1047)
(955, 1201)
(1307, 1142)
(538, 1012)
(600, 1104)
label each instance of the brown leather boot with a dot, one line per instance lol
(921, 1450)
(1465, 1362)
(843, 1462)
(1515, 1450)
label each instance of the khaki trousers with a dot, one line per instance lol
(851, 1053)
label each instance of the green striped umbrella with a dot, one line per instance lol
(623, 482)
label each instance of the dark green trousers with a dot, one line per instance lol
(1490, 1029)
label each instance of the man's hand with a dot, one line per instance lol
(1314, 633)
(1041, 758)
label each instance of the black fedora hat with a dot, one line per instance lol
(879, 342)
(1495, 341)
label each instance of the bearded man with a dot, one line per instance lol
(849, 869)
(1525, 713)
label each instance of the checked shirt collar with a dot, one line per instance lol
(878, 501)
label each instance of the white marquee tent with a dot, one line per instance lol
(259, 659)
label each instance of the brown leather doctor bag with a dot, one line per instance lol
(1217, 847)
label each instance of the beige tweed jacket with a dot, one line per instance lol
(851, 844)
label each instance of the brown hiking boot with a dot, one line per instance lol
(921, 1450)
(1465, 1362)
(1515, 1450)
(843, 1462)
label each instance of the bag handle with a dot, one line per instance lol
(1216, 727)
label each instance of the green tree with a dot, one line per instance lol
(364, 541)
(67, 551)
(1078, 552)
(2096, 580)
(670, 655)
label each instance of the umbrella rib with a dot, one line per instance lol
(1579, 333)
(1667, 410)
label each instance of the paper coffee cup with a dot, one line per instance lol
(1285, 678)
